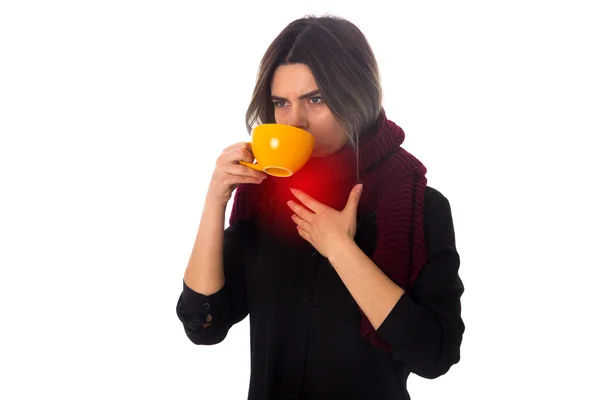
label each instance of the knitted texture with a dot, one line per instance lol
(394, 187)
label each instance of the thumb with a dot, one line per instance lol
(354, 198)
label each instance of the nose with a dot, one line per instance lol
(297, 117)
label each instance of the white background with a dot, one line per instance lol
(112, 114)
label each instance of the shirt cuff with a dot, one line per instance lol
(400, 327)
(200, 304)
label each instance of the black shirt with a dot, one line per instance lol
(304, 324)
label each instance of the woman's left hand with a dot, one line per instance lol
(323, 226)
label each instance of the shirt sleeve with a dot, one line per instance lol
(425, 327)
(226, 307)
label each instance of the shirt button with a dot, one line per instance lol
(207, 306)
(305, 299)
(295, 396)
(301, 347)
(314, 253)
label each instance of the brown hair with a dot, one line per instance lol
(342, 63)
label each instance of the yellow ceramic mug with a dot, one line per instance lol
(280, 150)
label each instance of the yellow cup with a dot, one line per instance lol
(280, 150)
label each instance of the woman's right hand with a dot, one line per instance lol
(229, 173)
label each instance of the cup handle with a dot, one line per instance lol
(256, 166)
(253, 166)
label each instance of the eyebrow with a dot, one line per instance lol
(302, 97)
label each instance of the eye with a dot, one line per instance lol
(279, 103)
(316, 100)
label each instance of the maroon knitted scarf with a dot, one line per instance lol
(394, 187)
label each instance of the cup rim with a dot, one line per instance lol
(287, 126)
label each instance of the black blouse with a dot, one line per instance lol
(304, 324)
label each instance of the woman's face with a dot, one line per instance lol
(297, 102)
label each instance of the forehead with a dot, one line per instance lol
(292, 80)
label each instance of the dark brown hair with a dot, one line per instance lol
(342, 63)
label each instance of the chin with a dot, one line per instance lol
(324, 152)
(319, 153)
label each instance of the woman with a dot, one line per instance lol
(348, 269)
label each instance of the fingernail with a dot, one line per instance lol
(359, 188)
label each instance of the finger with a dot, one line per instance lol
(239, 154)
(300, 222)
(308, 201)
(301, 211)
(232, 180)
(304, 234)
(354, 199)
